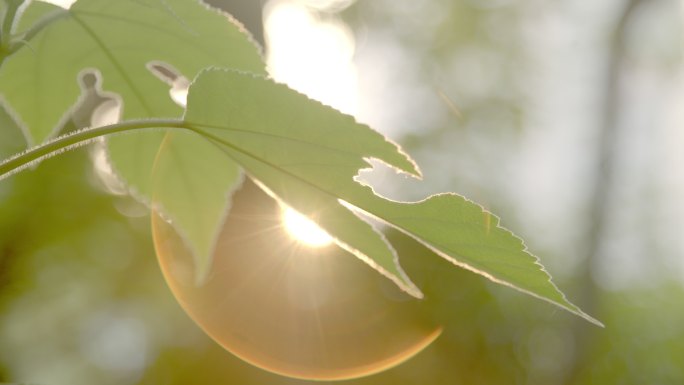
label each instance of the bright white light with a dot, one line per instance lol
(327, 5)
(311, 54)
(179, 91)
(304, 230)
(61, 3)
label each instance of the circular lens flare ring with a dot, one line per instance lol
(277, 306)
(304, 230)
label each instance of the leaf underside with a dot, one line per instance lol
(117, 40)
(307, 154)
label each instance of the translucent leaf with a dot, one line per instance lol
(35, 13)
(193, 180)
(11, 139)
(118, 40)
(121, 41)
(308, 154)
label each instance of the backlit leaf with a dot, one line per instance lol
(119, 40)
(193, 180)
(308, 154)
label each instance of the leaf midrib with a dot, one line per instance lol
(297, 140)
(194, 128)
(430, 243)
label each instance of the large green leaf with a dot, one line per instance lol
(308, 154)
(119, 40)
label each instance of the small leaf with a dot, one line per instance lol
(308, 155)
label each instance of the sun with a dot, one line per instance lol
(304, 230)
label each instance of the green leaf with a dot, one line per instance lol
(308, 154)
(34, 14)
(283, 130)
(119, 39)
(193, 180)
(11, 139)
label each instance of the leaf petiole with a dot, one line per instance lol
(76, 139)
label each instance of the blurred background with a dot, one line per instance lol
(566, 119)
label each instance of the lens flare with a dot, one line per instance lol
(304, 230)
(270, 302)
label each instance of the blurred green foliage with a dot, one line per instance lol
(82, 300)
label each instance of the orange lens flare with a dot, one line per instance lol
(267, 303)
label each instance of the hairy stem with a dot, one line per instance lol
(77, 139)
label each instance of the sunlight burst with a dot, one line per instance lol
(304, 230)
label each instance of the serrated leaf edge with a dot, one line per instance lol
(569, 306)
(202, 268)
(407, 286)
(414, 173)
